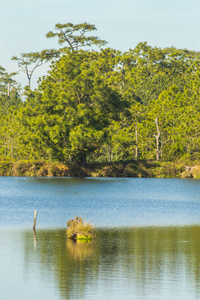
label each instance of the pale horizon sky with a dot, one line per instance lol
(122, 23)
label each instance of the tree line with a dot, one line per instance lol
(98, 104)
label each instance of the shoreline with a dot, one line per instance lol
(137, 169)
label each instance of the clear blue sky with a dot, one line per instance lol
(123, 23)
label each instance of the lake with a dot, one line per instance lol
(147, 242)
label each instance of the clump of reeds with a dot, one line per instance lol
(79, 230)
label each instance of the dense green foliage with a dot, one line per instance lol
(105, 105)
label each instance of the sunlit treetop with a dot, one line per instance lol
(76, 36)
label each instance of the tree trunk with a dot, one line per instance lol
(83, 159)
(5, 149)
(8, 89)
(157, 140)
(12, 146)
(136, 141)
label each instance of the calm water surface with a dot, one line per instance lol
(147, 244)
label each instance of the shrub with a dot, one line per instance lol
(196, 172)
(77, 229)
(130, 170)
(6, 168)
(75, 170)
(21, 167)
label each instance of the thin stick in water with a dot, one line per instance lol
(35, 218)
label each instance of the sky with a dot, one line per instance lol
(122, 23)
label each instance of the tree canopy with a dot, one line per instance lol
(102, 105)
(76, 35)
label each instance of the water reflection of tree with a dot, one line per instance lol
(69, 262)
(141, 255)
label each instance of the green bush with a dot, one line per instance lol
(21, 167)
(6, 168)
(130, 170)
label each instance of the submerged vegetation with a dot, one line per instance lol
(79, 230)
(101, 112)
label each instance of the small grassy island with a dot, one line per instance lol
(79, 230)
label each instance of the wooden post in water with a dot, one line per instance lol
(34, 239)
(35, 217)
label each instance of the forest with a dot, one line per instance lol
(98, 105)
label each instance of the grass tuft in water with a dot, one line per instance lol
(79, 230)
